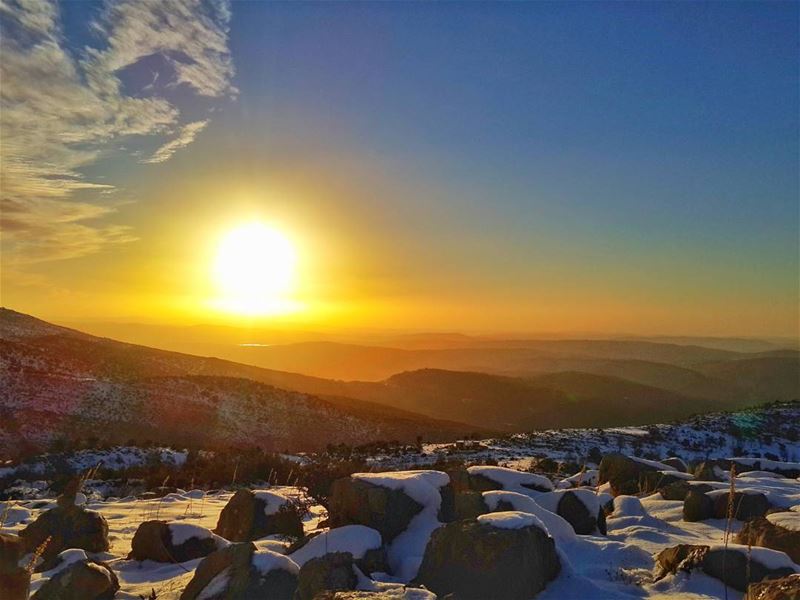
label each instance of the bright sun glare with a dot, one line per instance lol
(254, 270)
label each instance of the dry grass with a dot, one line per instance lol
(37, 554)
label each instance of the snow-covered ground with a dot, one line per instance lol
(619, 565)
(770, 432)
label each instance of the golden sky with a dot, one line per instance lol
(518, 178)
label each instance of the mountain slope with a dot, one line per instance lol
(55, 382)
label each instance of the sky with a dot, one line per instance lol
(551, 167)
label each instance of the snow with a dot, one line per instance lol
(406, 550)
(265, 561)
(557, 527)
(765, 463)
(787, 520)
(659, 466)
(628, 506)
(420, 486)
(272, 501)
(355, 539)
(216, 586)
(11, 513)
(512, 480)
(511, 519)
(588, 477)
(183, 532)
(772, 559)
(761, 474)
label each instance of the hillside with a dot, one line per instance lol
(56, 380)
(57, 383)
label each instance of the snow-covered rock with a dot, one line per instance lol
(505, 555)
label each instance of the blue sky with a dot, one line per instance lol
(607, 148)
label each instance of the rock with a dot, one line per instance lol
(469, 505)
(82, 580)
(332, 572)
(67, 527)
(683, 556)
(761, 532)
(239, 572)
(357, 502)
(788, 470)
(479, 482)
(473, 559)
(746, 506)
(787, 588)
(364, 544)
(697, 506)
(14, 580)
(654, 481)
(732, 566)
(447, 508)
(622, 473)
(581, 508)
(710, 470)
(153, 540)
(251, 515)
(676, 463)
(679, 489)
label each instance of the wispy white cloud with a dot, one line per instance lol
(185, 137)
(60, 112)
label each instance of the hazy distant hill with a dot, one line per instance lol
(547, 401)
(334, 360)
(776, 376)
(59, 381)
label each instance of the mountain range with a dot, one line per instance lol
(62, 383)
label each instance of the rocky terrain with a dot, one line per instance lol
(553, 515)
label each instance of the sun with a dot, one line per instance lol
(254, 270)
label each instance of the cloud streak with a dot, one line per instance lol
(185, 137)
(61, 111)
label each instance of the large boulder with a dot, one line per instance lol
(240, 572)
(173, 542)
(651, 482)
(354, 501)
(787, 588)
(506, 555)
(678, 490)
(469, 504)
(697, 506)
(490, 478)
(329, 573)
(363, 544)
(622, 473)
(14, 579)
(580, 508)
(81, 580)
(768, 533)
(711, 470)
(736, 566)
(746, 505)
(66, 526)
(250, 515)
